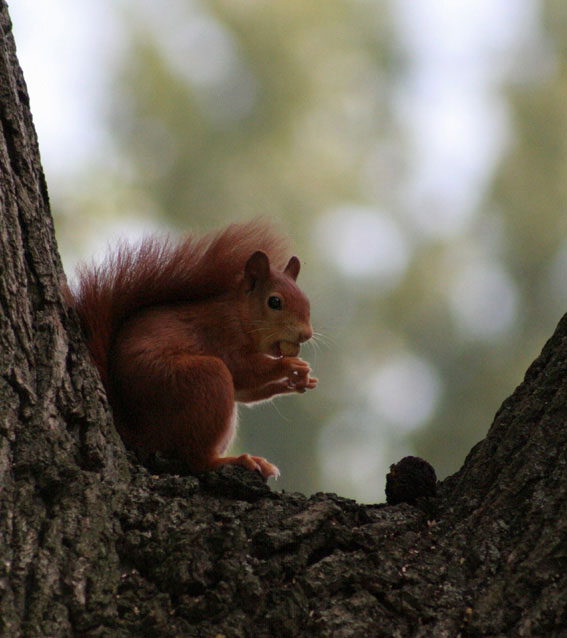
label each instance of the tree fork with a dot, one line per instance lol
(95, 544)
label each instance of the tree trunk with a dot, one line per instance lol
(94, 544)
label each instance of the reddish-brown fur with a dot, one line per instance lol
(179, 332)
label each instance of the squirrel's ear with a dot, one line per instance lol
(292, 268)
(257, 269)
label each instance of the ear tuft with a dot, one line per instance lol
(257, 269)
(292, 268)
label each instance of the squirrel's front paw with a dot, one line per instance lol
(302, 384)
(298, 375)
(295, 369)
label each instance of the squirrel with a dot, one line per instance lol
(181, 332)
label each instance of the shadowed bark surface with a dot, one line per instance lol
(92, 543)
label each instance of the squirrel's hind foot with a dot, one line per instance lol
(254, 463)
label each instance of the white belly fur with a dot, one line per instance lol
(231, 432)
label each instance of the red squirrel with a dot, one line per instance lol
(180, 332)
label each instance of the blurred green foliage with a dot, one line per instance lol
(225, 110)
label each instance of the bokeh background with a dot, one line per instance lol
(415, 150)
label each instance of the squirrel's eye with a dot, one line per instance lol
(275, 303)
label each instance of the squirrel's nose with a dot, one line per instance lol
(305, 333)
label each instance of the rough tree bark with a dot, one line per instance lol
(94, 544)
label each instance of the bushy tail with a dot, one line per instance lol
(158, 271)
